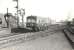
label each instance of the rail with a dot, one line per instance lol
(69, 36)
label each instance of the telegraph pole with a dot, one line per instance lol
(7, 11)
(22, 14)
(17, 14)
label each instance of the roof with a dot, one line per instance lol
(31, 17)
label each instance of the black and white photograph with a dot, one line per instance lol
(36, 24)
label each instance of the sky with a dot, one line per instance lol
(55, 9)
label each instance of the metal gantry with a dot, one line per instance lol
(21, 12)
(17, 7)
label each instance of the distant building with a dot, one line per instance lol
(3, 20)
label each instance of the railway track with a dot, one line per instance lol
(13, 39)
(69, 36)
(10, 39)
(4, 31)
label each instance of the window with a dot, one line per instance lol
(31, 20)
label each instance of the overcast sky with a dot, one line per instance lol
(55, 9)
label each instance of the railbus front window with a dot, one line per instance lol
(31, 20)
